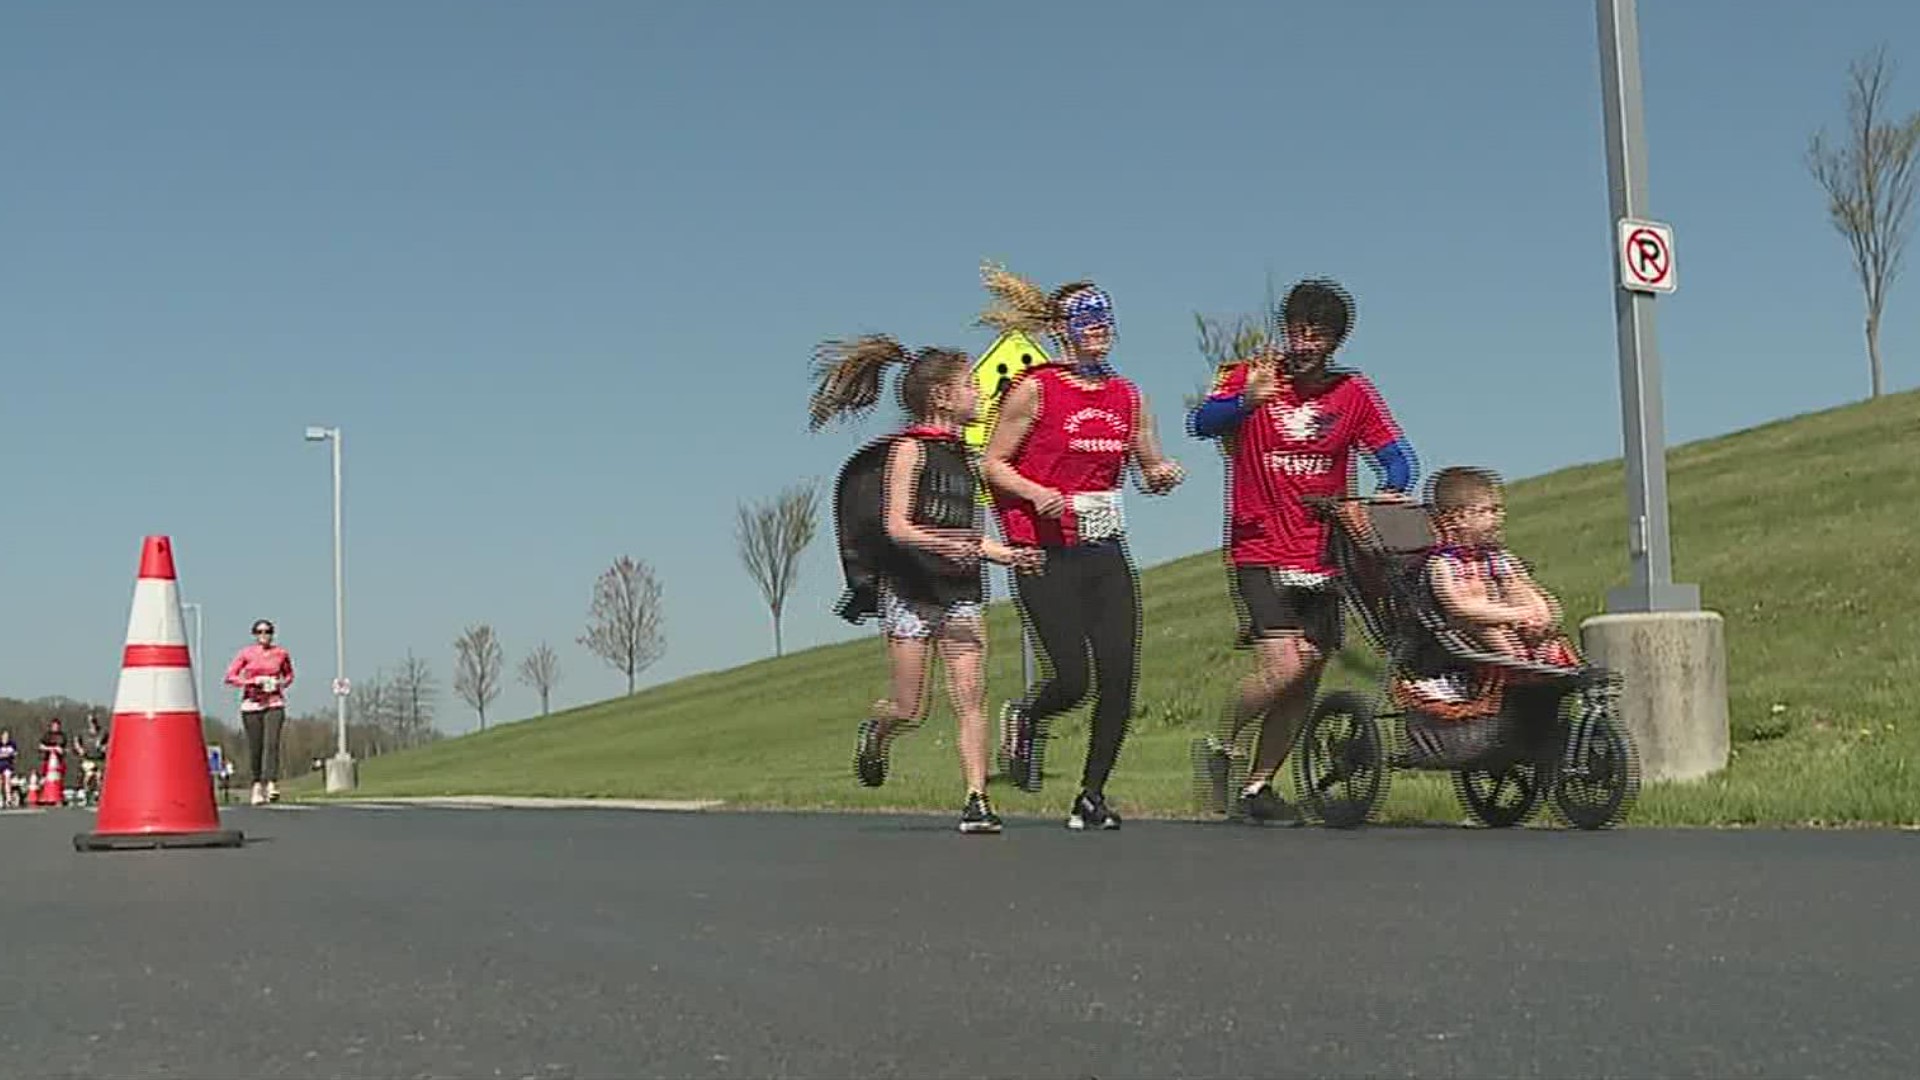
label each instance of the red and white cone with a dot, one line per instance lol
(157, 791)
(53, 783)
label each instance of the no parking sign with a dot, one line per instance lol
(1646, 256)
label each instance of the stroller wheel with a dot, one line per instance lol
(1599, 777)
(1341, 764)
(1500, 798)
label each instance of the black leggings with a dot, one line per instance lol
(263, 742)
(1087, 597)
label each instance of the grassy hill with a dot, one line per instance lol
(1799, 532)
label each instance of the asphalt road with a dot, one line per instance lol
(348, 942)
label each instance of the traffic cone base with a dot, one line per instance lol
(96, 841)
(158, 789)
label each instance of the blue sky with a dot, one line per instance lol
(556, 271)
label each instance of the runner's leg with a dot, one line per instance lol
(1113, 621)
(1051, 608)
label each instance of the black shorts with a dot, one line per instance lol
(1268, 608)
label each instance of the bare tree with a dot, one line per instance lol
(1869, 181)
(624, 623)
(476, 672)
(540, 669)
(413, 690)
(1222, 342)
(772, 537)
(370, 707)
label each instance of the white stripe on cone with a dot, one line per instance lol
(156, 690)
(156, 618)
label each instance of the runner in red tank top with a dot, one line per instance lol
(1289, 427)
(1064, 436)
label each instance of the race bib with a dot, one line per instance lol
(1098, 514)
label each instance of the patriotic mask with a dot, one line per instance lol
(1087, 309)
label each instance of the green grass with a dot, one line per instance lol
(1799, 533)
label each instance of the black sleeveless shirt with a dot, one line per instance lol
(944, 491)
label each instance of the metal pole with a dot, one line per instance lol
(1651, 586)
(197, 662)
(339, 605)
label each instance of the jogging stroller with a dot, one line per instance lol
(1520, 734)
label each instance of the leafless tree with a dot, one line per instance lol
(772, 537)
(370, 707)
(476, 673)
(540, 669)
(624, 625)
(1221, 342)
(413, 691)
(1869, 182)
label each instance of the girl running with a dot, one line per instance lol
(262, 671)
(1064, 434)
(911, 541)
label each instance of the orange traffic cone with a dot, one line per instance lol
(157, 791)
(53, 785)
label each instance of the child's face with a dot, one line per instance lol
(960, 398)
(1478, 522)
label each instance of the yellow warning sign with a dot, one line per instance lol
(1004, 361)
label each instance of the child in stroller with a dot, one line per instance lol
(1477, 672)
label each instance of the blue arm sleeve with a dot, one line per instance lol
(1398, 465)
(1216, 416)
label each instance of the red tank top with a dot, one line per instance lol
(1078, 445)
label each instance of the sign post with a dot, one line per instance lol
(1644, 251)
(1009, 357)
(1669, 654)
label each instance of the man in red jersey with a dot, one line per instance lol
(1289, 424)
(1066, 435)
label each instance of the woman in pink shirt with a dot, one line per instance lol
(262, 671)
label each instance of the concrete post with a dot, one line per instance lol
(1673, 698)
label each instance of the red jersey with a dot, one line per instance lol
(1293, 446)
(1078, 445)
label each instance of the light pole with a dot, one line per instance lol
(199, 662)
(1670, 654)
(340, 770)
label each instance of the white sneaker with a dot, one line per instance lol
(259, 795)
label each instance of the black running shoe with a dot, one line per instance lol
(978, 817)
(1024, 759)
(1090, 811)
(1266, 804)
(870, 755)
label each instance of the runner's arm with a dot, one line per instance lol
(1146, 437)
(1017, 412)
(234, 669)
(1387, 447)
(903, 466)
(1222, 410)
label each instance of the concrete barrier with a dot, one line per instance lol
(1674, 701)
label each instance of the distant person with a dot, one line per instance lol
(9, 762)
(262, 671)
(1289, 424)
(911, 541)
(53, 755)
(1066, 434)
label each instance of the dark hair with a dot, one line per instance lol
(1320, 303)
(848, 374)
(1454, 487)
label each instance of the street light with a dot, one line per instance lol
(199, 662)
(340, 770)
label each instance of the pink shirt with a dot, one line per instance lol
(253, 663)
